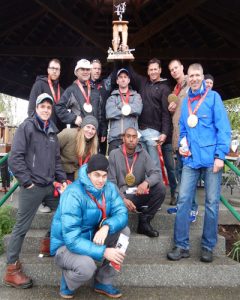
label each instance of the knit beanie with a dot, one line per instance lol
(89, 120)
(97, 162)
(209, 76)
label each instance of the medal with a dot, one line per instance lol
(172, 98)
(126, 109)
(130, 179)
(87, 107)
(192, 120)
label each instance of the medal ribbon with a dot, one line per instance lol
(129, 169)
(177, 89)
(55, 97)
(126, 100)
(81, 162)
(101, 207)
(198, 105)
(86, 96)
(165, 178)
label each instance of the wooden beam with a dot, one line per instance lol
(180, 9)
(227, 78)
(63, 15)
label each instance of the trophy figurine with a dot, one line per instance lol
(120, 48)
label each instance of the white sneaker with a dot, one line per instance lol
(44, 209)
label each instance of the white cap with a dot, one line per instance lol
(82, 63)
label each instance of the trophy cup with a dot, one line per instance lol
(120, 48)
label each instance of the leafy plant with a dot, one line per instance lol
(233, 108)
(6, 224)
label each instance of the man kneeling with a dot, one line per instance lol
(138, 179)
(89, 219)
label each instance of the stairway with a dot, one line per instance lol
(146, 264)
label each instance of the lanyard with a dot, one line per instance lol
(177, 89)
(86, 96)
(129, 169)
(55, 97)
(198, 105)
(126, 100)
(81, 162)
(101, 207)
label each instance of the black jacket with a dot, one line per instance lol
(74, 100)
(155, 112)
(35, 155)
(41, 86)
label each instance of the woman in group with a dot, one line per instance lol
(78, 145)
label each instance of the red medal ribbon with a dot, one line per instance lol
(177, 89)
(86, 96)
(126, 100)
(165, 178)
(55, 97)
(129, 169)
(190, 100)
(81, 162)
(101, 207)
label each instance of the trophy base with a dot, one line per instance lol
(120, 56)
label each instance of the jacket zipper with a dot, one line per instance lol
(34, 160)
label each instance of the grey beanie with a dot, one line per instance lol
(89, 120)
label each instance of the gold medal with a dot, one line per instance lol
(172, 98)
(87, 107)
(126, 109)
(130, 179)
(192, 121)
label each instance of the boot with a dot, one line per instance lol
(144, 226)
(15, 277)
(45, 247)
(173, 201)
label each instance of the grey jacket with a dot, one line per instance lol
(118, 122)
(143, 169)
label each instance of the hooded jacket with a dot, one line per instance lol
(77, 217)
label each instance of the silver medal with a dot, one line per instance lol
(87, 107)
(192, 120)
(126, 109)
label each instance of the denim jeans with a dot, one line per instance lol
(167, 151)
(212, 185)
(150, 145)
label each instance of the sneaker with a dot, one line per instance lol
(206, 255)
(44, 209)
(178, 253)
(172, 210)
(107, 290)
(64, 290)
(193, 216)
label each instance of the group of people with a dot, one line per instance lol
(141, 122)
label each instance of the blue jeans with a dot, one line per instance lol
(179, 168)
(150, 145)
(167, 151)
(212, 185)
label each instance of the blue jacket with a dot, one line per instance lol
(211, 137)
(77, 217)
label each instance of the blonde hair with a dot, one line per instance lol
(82, 147)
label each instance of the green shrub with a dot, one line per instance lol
(6, 223)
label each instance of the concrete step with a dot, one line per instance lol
(133, 293)
(140, 245)
(154, 271)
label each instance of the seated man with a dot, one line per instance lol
(89, 219)
(131, 166)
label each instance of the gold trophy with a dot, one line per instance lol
(120, 48)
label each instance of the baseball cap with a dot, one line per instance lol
(43, 97)
(122, 71)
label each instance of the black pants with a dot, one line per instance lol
(153, 200)
(114, 145)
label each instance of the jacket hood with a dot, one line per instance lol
(45, 79)
(87, 183)
(116, 92)
(52, 126)
(138, 149)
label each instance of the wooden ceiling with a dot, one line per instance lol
(34, 31)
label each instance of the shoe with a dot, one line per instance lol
(107, 290)
(178, 253)
(173, 201)
(44, 209)
(172, 210)
(64, 290)
(193, 216)
(45, 247)
(206, 255)
(144, 226)
(15, 277)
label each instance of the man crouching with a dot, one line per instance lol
(89, 219)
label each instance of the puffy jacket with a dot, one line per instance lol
(35, 155)
(41, 86)
(77, 217)
(211, 137)
(118, 122)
